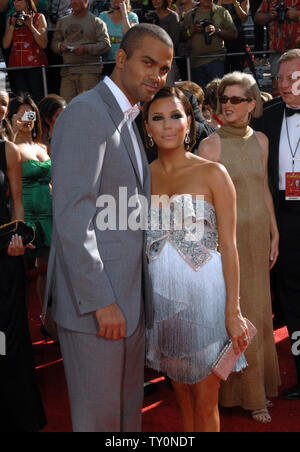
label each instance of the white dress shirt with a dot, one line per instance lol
(285, 155)
(125, 105)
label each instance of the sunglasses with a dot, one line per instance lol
(234, 100)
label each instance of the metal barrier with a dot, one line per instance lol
(188, 65)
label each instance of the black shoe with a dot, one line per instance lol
(293, 393)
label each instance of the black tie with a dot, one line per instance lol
(291, 111)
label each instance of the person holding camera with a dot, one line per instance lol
(207, 27)
(81, 38)
(282, 18)
(26, 36)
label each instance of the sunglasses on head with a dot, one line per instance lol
(234, 100)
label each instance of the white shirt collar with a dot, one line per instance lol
(118, 94)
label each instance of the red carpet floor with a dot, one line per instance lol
(160, 413)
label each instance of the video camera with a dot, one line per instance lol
(281, 11)
(205, 23)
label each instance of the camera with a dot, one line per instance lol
(205, 23)
(281, 12)
(29, 116)
(20, 19)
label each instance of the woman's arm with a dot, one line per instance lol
(224, 199)
(126, 25)
(274, 252)
(40, 33)
(14, 174)
(243, 10)
(9, 32)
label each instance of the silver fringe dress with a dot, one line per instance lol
(189, 290)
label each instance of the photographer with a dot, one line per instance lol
(207, 27)
(282, 18)
(26, 36)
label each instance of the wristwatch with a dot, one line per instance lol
(218, 30)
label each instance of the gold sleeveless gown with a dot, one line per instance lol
(242, 157)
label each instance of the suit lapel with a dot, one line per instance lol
(118, 119)
(146, 171)
(274, 127)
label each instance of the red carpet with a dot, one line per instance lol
(160, 413)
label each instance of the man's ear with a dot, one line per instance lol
(120, 58)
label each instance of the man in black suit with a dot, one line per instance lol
(281, 123)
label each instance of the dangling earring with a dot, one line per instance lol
(187, 137)
(151, 142)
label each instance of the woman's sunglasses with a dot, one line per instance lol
(234, 100)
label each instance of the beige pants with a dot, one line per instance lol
(74, 84)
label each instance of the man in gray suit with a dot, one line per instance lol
(97, 277)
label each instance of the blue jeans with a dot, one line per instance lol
(207, 72)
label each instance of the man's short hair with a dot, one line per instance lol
(293, 54)
(133, 38)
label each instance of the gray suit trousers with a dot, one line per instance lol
(105, 380)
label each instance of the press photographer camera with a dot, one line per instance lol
(20, 19)
(207, 36)
(281, 10)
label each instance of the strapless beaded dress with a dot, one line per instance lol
(189, 291)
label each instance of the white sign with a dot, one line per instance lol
(2, 344)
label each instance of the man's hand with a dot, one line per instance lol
(292, 14)
(112, 324)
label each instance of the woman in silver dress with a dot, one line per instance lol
(193, 263)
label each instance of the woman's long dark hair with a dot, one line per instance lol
(26, 99)
(165, 93)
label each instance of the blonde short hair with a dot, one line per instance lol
(248, 83)
(290, 55)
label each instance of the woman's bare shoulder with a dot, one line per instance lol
(210, 148)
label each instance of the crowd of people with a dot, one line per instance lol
(74, 33)
(111, 296)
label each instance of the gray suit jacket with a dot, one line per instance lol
(93, 155)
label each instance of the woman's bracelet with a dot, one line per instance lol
(237, 4)
(11, 27)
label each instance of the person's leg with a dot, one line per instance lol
(34, 80)
(133, 380)
(215, 69)
(186, 405)
(87, 82)
(68, 87)
(199, 76)
(94, 369)
(206, 409)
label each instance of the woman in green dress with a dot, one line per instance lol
(37, 196)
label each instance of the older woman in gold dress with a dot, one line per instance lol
(244, 153)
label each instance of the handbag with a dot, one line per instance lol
(17, 227)
(227, 359)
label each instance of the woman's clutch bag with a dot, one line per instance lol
(15, 227)
(227, 359)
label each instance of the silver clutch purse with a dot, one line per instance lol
(227, 359)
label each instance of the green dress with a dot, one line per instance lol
(37, 200)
